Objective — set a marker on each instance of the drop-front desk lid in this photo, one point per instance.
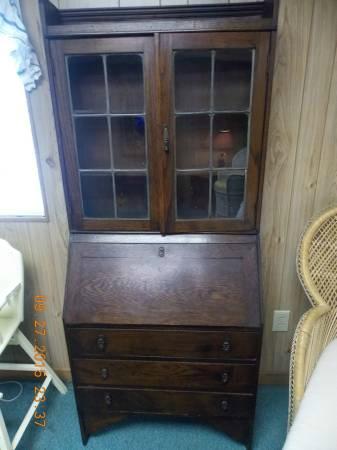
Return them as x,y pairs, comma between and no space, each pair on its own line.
194,280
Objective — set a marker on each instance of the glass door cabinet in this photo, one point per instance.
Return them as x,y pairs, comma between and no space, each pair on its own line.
162,135
215,113
162,116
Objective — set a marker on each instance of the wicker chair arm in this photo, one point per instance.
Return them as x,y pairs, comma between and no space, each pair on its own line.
303,356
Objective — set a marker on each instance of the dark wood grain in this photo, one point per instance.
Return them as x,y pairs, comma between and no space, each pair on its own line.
156,238
161,166
98,421
103,21
170,402
158,63
269,85
166,374
167,326
258,116
50,14
190,285
164,343
263,9
59,51
158,26
238,429
161,171
177,41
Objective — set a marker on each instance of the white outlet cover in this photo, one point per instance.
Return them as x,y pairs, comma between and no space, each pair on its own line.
281,320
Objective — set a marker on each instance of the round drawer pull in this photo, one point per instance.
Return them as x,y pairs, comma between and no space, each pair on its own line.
104,373
225,377
226,346
101,343
224,405
108,399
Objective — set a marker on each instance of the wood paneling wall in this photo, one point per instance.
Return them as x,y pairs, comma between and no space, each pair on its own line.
300,178
301,166
43,244
66,4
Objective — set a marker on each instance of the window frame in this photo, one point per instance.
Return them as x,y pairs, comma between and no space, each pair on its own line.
29,218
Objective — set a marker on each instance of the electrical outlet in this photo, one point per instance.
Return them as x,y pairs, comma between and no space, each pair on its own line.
280,320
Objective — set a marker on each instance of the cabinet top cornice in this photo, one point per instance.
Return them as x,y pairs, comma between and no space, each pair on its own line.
60,23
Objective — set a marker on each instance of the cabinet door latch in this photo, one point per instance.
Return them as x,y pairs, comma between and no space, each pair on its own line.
166,140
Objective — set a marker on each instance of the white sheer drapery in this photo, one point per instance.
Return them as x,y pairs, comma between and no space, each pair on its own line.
11,26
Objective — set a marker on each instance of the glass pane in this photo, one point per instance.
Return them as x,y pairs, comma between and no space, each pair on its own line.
97,194
192,141
92,138
232,79
230,134
192,195
125,75
228,189
86,76
131,191
193,81
128,142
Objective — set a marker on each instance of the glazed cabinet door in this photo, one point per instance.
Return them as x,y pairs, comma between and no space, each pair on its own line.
213,98
106,112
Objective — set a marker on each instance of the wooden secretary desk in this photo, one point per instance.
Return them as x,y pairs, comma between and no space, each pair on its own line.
162,118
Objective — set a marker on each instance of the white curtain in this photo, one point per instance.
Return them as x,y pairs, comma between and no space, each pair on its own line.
25,58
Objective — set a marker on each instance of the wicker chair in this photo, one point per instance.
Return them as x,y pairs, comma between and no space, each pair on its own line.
317,271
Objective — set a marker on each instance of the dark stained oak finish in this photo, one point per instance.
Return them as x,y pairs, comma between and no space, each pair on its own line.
157,50
164,325
165,343
173,42
156,238
166,374
160,324
60,50
177,403
239,429
103,21
190,285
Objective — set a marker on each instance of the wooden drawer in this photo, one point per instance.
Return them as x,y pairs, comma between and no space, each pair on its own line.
187,344
166,374
178,403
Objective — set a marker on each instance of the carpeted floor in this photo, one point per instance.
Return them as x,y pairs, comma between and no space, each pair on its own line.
62,430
